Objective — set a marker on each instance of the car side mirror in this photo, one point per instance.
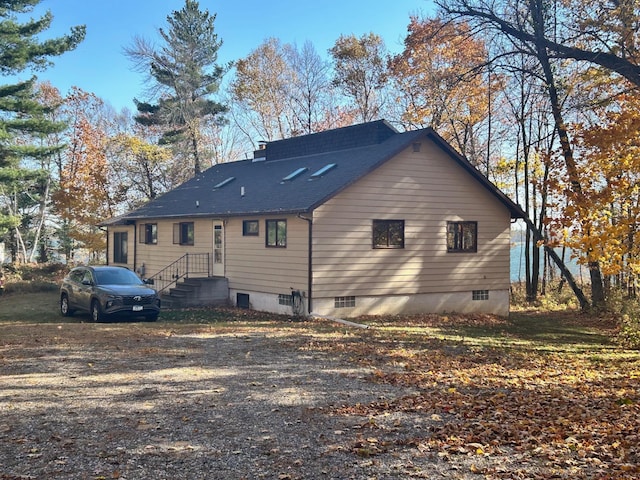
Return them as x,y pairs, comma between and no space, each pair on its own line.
87,282
148,281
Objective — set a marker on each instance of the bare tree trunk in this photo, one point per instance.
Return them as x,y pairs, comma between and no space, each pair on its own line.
537,234
37,238
537,14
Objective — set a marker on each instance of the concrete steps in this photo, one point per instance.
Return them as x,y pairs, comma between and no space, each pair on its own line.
197,292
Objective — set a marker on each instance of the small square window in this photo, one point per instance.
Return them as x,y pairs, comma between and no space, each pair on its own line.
250,228
462,237
388,234
344,302
480,295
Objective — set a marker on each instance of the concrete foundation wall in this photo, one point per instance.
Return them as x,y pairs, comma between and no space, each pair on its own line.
453,302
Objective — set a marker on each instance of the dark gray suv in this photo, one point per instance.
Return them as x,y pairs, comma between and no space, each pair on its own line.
108,293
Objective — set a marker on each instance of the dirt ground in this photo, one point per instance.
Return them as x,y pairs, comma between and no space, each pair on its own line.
162,401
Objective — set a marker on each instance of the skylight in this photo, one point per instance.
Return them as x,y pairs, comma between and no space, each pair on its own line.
323,170
294,174
224,182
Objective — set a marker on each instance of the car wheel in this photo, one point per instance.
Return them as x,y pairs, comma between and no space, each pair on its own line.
65,310
96,311
151,318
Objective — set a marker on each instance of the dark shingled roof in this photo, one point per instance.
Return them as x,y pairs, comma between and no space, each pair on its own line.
252,187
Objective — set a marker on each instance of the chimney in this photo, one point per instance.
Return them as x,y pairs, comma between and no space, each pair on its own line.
260,154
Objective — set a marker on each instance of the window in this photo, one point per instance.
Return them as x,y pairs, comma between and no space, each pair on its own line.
480,295
344,302
294,174
183,233
149,233
120,247
462,236
285,299
242,300
276,233
250,228
322,171
217,244
388,234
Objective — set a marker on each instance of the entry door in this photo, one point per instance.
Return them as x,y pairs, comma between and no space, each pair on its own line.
218,249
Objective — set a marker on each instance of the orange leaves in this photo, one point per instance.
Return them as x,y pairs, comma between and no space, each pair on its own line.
602,222
85,197
435,75
568,413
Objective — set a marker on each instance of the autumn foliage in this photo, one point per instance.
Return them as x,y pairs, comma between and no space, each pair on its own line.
84,198
513,404
602,223
439,80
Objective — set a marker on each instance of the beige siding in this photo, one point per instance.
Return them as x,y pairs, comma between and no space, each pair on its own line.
251,266
425,189
156,257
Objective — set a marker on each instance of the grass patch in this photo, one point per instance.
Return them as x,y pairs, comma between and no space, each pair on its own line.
32,307
43,307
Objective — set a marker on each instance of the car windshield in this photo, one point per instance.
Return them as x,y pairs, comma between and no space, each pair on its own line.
117,276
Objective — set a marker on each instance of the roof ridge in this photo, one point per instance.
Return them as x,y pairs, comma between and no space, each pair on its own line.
338,139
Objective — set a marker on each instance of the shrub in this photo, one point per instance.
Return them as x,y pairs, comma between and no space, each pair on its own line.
627,311
629,331
26,278
554,299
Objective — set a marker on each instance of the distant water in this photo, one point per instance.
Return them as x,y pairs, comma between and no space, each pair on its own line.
518,265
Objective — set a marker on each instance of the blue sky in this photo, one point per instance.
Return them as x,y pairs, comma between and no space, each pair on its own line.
99,66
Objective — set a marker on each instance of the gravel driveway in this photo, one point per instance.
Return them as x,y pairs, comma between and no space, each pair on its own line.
152,401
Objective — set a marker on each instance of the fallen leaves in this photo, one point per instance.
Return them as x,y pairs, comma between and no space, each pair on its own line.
569,412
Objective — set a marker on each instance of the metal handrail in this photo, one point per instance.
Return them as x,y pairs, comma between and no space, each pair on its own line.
188,264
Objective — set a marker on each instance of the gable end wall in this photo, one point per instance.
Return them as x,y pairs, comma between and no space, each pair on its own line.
425,189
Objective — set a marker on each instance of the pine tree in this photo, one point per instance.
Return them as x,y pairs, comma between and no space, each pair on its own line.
22,116
184,74
21,49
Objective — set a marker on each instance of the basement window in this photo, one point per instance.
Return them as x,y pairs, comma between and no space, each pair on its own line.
242,300
344,302
480,295
285,299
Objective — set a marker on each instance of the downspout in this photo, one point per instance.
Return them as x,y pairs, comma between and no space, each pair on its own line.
309,265
135,245
106,230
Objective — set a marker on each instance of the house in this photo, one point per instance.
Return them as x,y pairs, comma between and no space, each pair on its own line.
357,220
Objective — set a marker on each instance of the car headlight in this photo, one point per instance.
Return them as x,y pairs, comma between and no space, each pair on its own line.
112,300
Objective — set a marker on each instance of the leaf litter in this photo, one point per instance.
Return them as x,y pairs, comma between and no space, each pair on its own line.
412,397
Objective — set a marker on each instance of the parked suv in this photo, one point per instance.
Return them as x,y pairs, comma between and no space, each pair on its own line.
107,293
